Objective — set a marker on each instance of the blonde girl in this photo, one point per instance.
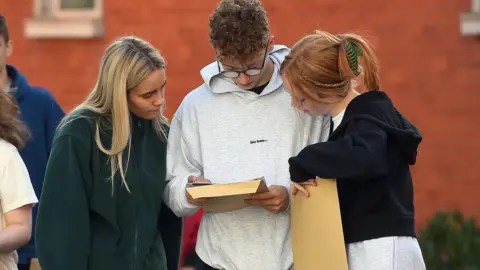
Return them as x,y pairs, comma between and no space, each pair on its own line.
101,206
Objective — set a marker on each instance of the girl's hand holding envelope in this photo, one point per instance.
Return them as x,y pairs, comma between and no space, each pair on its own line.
301,187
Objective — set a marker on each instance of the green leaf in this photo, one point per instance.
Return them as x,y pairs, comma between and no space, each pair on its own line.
451,241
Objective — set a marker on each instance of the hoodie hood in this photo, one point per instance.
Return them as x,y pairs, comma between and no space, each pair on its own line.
218,84
377,107
20,83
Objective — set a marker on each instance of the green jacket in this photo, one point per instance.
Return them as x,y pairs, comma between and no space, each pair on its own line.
83,224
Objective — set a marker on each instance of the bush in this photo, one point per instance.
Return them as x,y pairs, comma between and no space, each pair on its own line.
451,242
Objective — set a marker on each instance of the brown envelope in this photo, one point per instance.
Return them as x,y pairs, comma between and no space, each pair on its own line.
227,197
34,264
317,235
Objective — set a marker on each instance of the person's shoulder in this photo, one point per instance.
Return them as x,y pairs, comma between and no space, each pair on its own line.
41,94
9,154
196,97
80,123
7,149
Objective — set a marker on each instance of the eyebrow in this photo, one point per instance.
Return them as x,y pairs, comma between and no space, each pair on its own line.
248,66
161,87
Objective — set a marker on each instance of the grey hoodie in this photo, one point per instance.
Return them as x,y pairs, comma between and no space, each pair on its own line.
227,134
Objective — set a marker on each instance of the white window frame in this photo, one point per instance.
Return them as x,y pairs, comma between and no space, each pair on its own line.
476,6
49,21
58,12
470,21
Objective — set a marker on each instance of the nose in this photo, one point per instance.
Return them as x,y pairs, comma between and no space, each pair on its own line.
159,100
243,79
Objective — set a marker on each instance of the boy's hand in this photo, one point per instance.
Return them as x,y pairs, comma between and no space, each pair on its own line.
197,202
276,200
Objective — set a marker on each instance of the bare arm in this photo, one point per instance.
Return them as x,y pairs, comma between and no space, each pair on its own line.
18,229
17,198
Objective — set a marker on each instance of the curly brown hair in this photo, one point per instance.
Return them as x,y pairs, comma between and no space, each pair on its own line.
12,128
239,28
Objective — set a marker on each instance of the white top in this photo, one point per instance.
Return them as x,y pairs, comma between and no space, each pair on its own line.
337,119
227,135
16,190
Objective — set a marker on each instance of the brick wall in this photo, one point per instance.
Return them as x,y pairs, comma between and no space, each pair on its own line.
429,69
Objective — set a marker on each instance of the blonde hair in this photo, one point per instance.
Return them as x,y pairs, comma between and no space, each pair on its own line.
126,63
324,65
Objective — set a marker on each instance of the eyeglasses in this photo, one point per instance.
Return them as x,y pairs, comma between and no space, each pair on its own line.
232,74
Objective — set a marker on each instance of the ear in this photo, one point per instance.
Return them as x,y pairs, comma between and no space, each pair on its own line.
9,48
271,43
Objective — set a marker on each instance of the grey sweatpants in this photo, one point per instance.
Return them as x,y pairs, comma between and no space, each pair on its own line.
387,253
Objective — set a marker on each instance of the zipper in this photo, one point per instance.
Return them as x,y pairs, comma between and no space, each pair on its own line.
137,194
137,202
135,247
135,239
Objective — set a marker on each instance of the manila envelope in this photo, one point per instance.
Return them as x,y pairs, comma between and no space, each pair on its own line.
34,264
227,197
317,234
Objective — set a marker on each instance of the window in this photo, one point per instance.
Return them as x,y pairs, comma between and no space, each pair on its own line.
76,4
76,8
470,21
66,19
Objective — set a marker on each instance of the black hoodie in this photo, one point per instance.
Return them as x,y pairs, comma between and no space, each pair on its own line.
369,154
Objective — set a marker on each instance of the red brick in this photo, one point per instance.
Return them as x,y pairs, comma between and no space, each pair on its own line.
428,68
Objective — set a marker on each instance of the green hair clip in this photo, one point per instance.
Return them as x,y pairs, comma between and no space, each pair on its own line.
353,52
